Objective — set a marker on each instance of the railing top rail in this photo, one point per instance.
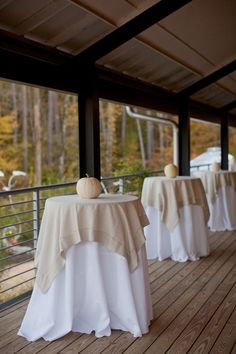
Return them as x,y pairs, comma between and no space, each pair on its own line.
131,175
37,188
67,184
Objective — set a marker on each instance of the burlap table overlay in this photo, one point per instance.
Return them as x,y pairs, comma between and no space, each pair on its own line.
169,195
213,181
116,221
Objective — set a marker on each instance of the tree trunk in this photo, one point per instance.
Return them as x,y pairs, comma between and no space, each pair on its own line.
37,136
25,127
150,145
161,135
50,126
109,137
141,144
123,129
14,106
63,138
55,114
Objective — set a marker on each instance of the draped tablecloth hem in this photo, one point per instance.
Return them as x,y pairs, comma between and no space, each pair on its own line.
170,195
175,220
44,278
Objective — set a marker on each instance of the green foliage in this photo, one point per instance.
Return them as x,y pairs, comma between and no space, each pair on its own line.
9,160
232,141
132,184
203,135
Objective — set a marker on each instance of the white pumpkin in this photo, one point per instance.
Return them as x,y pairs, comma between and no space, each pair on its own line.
171,170
88,187
215,166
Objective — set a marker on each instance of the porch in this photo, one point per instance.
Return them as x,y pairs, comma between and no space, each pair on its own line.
194,311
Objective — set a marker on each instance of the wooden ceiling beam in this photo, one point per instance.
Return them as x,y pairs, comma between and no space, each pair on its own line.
26,70
30,49
113,86
129,30
228,106
208,80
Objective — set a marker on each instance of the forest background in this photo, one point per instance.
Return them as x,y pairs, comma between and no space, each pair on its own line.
39,135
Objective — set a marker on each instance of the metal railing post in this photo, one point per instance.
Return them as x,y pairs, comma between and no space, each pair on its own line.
121,185
36,215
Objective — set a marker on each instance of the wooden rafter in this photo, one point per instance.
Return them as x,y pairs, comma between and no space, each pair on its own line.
208,80
228,106
129,30
30,49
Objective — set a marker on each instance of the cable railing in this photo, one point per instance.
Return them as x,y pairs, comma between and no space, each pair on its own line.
20,217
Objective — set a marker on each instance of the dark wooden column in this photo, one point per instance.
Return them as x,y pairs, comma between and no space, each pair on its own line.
224,139
89,137
184,138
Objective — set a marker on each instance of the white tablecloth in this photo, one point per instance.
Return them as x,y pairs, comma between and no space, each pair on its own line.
112,220
188,238
220,189
95,289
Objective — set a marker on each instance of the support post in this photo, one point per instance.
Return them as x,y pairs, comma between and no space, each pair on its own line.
184,138
89,136
224,140
36,216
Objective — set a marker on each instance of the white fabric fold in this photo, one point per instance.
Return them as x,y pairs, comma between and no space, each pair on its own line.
94,291
213,181
188,240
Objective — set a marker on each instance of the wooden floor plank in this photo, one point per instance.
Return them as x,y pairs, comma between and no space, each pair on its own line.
188,267
209,335
227,337
166,310
78,345
171,333
8,337
159,271
41,346
13,308
209,321
101,344
175,287
194,312
12,320
233,351
158,265
15,345
120,344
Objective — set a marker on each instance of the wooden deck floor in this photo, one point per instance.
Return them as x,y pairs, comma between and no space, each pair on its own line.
194,307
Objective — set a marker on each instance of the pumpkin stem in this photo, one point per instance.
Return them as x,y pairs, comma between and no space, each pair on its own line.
86,174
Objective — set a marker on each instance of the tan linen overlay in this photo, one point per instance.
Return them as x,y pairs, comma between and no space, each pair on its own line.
168,195
115,221
213,181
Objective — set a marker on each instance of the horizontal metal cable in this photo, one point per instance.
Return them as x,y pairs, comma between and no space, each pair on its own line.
16,275
16,255
16,203
17,244
16,214
17,234
17,223
15,265
15,286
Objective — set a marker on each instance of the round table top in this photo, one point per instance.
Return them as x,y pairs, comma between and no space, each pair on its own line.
101,199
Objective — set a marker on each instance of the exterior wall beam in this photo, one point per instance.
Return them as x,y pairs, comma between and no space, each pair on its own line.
184,138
